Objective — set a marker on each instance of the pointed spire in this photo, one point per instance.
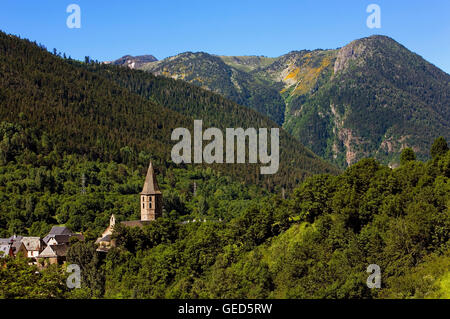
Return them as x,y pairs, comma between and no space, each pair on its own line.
150,185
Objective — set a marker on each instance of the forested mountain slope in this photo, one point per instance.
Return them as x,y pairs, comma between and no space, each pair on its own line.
376,99
210,72
85,109
371,98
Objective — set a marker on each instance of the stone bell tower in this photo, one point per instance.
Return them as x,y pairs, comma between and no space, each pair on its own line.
151,197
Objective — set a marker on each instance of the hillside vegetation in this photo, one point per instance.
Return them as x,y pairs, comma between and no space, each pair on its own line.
373,97
211,73
110,113
76,139
316,244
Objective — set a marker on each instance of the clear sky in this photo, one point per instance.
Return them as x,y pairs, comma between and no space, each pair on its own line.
111,29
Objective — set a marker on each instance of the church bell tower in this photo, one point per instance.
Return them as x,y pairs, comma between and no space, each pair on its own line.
151,197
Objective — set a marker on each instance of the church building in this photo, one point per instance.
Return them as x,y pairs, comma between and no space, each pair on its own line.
151,209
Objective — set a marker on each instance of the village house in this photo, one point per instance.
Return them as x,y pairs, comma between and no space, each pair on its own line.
49,250
32,245
15,242
54,254
52,249
57,244
151,209
6,250
57,231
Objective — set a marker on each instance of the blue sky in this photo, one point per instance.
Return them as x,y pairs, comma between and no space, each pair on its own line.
111,29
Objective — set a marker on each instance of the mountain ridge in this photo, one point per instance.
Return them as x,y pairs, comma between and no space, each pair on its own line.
327,101
133,62
118,114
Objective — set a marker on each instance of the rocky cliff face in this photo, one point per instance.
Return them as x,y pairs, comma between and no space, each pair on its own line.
134,62
378,99
351,52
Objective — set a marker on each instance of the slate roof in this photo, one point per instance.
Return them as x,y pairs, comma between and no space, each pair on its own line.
107,238
79,236
60,230
150,185
57,230
47,252
52,251
32,243
5,250
15,241
15,238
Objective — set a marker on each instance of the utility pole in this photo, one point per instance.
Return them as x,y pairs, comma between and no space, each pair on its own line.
83,184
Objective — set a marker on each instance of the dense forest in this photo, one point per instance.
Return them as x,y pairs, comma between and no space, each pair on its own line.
82,110
76,139
371,98
210,72
315,244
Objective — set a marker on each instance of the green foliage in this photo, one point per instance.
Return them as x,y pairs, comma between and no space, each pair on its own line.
51,106
20,280
315,244
210,72
382,97
334,227
74,149
407,155
439,147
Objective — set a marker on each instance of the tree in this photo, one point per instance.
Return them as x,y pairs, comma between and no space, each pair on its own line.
407,156
85,255
20,280
439,147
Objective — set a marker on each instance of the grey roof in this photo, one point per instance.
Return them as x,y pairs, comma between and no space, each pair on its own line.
61,250
57,230
150,185
32,243
4,250
15,241
52,251
62,239
60,230
107,238
15,238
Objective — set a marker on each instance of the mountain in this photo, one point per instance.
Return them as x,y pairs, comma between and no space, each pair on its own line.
133,62
76,139
212,73
111,113
371,98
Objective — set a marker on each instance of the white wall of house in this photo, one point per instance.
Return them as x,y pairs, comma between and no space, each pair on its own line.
33,253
